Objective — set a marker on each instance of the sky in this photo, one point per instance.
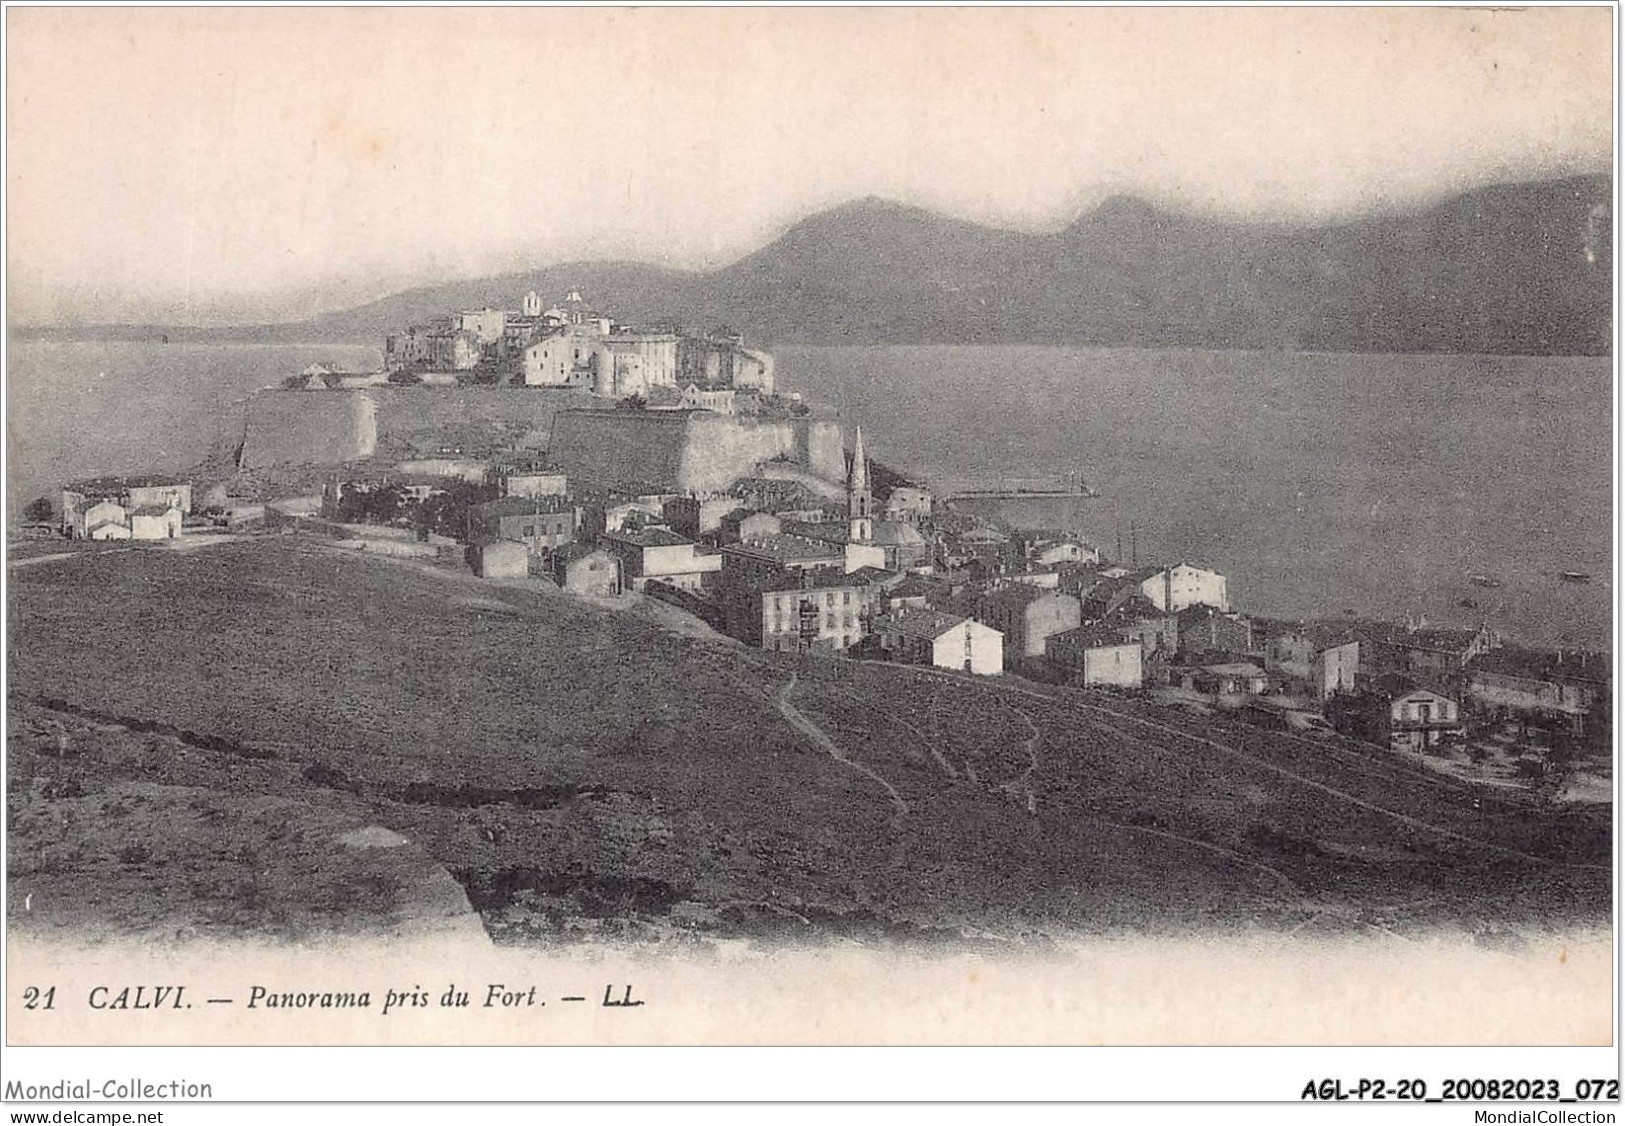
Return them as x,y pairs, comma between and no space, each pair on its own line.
210,166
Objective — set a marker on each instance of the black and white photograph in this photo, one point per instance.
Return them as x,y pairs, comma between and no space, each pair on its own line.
810,526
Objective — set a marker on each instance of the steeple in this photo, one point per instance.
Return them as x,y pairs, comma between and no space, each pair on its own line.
860,502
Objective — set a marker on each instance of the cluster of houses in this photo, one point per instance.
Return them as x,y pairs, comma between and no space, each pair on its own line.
572,345
791,569
126,508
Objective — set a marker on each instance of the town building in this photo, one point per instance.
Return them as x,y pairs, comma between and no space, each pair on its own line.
724,361
1026,616
1419,718
1553,687
695,516
1220,679
1174,588
409,349
659,554
102,520
541,523
1431,655
531,481
127,495
1204,629
948,641
903,547
753,561
804,610
583,569
1319,660
1064,549
718,401
549,359
1136,619
1098,657
155,522
501,559
741,524
909,504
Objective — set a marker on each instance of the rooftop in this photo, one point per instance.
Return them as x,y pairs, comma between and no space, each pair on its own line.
927,625
824,578
787,549
114,485
649,537
571,552
1536,664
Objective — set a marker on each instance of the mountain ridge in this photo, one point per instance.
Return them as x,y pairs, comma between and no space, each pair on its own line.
1506,268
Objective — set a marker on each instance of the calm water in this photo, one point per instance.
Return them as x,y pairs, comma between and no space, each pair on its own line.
1318,483
78,409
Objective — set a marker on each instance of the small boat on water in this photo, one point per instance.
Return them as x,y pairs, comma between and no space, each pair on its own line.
1575,576
1484,580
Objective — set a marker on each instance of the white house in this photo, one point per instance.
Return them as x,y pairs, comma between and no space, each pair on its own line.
155,522
1421,718
1184,585
931,637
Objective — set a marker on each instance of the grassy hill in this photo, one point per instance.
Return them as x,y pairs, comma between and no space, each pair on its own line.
585,773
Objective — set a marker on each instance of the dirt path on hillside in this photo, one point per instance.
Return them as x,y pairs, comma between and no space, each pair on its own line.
1022,783
811,730
1254,760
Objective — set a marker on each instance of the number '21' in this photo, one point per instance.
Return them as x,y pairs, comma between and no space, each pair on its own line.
34,999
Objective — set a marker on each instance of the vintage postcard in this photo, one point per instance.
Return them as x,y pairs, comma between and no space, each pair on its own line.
810,526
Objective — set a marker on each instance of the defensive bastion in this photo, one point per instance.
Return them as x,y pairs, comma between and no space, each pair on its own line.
688,451
586,436
330,427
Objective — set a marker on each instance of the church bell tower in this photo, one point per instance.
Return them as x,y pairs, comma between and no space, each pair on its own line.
860,502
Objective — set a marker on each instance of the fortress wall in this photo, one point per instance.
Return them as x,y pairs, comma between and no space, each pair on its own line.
687,451
721,449
327,427
404,410
621,446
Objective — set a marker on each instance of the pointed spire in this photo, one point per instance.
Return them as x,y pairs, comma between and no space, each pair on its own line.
857,479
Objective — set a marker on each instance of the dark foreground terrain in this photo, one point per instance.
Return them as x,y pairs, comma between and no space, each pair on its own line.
191,729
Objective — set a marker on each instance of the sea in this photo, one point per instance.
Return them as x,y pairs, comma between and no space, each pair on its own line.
1320,484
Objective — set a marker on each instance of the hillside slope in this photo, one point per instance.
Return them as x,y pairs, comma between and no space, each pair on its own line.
584,772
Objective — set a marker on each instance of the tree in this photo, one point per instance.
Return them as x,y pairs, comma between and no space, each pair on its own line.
39,511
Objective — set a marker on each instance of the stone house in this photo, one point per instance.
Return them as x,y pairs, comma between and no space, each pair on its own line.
541,523
948,641
1027,617
908,504
803,610
155,522
1318,660
1551,686
660,553
501,559
578,568
1098,656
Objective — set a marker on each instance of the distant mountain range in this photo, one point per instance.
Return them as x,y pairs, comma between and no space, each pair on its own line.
1514,268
